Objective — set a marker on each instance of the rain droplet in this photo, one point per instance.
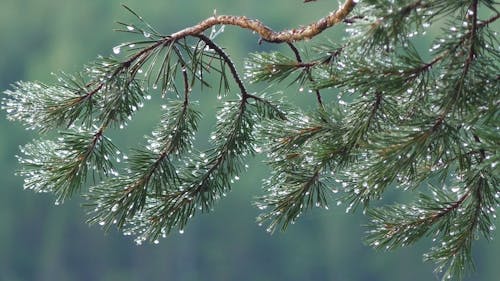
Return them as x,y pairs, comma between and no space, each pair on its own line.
146,34
129,27
116,50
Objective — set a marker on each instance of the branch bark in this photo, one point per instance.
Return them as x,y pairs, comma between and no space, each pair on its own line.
266,33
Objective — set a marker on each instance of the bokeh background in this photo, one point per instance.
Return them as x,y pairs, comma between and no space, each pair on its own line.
44,242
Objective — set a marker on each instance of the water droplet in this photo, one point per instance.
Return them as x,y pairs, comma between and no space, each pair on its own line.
181,231
116,50
146,34
129,27
156,241
102,223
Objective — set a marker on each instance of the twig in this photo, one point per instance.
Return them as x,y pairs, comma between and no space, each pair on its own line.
307,68
227,60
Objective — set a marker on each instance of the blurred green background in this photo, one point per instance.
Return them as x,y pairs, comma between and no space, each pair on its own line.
41,241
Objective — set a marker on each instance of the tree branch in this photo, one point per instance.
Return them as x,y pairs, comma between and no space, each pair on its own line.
227,60
266,33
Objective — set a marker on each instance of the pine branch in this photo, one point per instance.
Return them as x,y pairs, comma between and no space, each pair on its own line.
399,121
228,62
61,167
299,179
152,171
52,106
267,34
207,178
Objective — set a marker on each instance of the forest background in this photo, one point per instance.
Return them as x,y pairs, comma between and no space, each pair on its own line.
42,241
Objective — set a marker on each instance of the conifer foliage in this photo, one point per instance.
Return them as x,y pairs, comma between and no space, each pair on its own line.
423,121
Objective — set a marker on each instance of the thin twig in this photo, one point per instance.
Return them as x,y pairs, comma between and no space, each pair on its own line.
227,60
307,69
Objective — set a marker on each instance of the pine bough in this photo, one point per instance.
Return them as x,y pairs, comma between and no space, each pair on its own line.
400,121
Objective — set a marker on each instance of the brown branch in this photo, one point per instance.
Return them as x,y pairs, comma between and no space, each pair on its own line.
488,21
430,219
266,33
228,61
296,53
472,37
